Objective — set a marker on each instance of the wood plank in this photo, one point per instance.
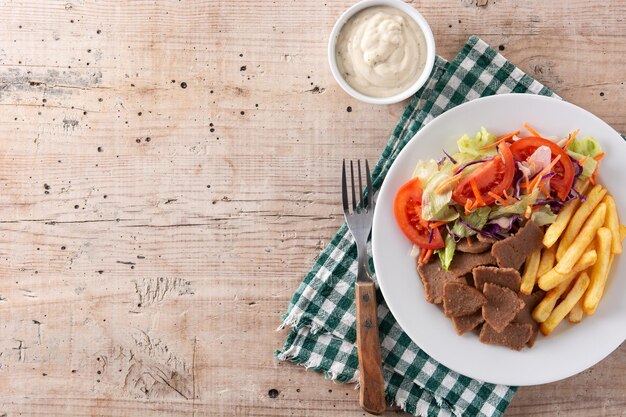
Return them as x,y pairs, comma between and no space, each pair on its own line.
152,235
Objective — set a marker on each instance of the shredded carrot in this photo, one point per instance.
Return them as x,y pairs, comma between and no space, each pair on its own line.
443,187
552,164
583,160
420,260
599,156
468,206
571,138
536,208
479,199
594,176
509,135
499,140
498,198
542,187
509,198
435,225
429,253
543,172
534,182
531,130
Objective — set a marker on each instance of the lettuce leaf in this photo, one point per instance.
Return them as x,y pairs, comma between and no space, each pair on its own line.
472,145
589,166
477,219
515,208
425,169
447,252
543,216
435,206
586,146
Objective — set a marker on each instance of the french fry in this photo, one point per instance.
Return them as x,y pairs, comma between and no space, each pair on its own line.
530,272
576,315
577,221
546,263
583,238
546,305
622,231
599,272
565,306
612,223
552,278
555,230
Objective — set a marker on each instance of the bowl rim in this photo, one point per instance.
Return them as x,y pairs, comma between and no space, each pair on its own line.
412,13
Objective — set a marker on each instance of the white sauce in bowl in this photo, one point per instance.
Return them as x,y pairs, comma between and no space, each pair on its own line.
381,51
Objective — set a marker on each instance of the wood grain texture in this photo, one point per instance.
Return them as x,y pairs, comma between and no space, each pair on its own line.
371,382
169,171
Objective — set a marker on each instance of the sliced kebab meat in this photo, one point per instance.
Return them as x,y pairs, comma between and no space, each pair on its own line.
459,299
502,306
513,251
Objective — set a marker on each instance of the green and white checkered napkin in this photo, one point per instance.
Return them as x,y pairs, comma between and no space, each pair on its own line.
322,312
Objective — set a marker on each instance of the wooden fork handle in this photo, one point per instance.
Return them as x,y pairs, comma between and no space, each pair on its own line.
372,384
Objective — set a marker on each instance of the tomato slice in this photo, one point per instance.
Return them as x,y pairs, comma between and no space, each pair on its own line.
495,175
562,181
407,208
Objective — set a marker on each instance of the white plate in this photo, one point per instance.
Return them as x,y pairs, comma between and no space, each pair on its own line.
570,348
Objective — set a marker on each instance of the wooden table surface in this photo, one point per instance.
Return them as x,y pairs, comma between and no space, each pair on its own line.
169,171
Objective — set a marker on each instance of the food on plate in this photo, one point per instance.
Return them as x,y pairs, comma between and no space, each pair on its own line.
530,272
548,255
504,277
576,314
408,212
524,316
552,278
472,245
554,231
593,199
546,305
434,276
501,307
612,223
513,251
566,305
562,180
464,324
512,233
381,51
578,246
459,299
599,272
488,180
514,336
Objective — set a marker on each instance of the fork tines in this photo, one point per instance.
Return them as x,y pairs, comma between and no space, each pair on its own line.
366,201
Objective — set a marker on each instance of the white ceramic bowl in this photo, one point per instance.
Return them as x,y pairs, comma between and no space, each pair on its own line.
413,14
571,348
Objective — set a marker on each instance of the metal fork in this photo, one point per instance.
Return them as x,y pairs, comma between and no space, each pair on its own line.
359,220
